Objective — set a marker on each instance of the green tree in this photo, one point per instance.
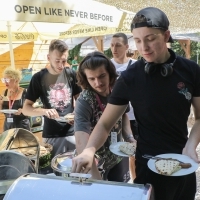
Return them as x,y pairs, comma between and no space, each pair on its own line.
108,53
194,50
74,52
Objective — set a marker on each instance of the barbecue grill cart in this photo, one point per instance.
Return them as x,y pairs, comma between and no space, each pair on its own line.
22,141
75,187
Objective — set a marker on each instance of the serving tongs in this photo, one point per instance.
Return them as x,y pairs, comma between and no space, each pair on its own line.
182,164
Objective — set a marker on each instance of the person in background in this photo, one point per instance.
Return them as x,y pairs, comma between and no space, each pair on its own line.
13,99
161,87
97,75
75,63
119,47
56,86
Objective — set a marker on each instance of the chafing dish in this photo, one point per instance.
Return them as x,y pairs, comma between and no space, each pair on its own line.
62,163
12,166
36,186
22,141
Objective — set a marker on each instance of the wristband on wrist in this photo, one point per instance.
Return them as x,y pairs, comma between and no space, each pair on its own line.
129,136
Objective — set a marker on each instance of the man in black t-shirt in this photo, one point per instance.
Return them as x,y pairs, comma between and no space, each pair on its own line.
56,87
161,87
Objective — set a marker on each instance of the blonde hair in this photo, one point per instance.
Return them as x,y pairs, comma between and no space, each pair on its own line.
13,73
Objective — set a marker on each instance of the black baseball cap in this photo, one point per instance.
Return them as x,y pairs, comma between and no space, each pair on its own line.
155,18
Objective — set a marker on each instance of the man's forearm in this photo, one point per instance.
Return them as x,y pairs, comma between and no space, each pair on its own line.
194,135
31,111
81,141
126,127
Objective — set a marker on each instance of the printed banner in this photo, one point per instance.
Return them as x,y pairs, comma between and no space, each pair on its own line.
61,11
49,19
19,36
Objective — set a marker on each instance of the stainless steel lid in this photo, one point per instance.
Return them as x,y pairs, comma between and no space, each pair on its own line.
37,186
12,166
22,141
63,162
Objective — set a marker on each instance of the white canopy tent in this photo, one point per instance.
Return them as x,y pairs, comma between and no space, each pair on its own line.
31,26
27,20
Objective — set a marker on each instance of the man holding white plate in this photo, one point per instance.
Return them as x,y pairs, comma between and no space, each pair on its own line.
161,88
56,86
12,100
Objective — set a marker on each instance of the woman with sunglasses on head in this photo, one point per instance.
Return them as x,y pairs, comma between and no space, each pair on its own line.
13,98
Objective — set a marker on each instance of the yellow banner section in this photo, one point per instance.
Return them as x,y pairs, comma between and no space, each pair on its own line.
89,31
19,36
35,32
86,30
72,33
61,11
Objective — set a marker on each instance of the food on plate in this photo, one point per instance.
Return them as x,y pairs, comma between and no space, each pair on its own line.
69,116
168,166
128,148
185,165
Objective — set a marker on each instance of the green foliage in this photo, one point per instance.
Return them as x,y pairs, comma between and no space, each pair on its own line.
176,47
74,52
108,53
194,50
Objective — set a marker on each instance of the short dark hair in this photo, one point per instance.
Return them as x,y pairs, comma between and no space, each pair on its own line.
59,45
151,17
139,19
122,35
92,61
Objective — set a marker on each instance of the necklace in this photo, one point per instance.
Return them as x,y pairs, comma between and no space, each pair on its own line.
14,93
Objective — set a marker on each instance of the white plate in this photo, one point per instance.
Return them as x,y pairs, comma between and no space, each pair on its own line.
180,157
8,111
61,119
114,148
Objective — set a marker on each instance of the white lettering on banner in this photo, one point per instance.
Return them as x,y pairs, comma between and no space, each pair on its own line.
31,9
74,13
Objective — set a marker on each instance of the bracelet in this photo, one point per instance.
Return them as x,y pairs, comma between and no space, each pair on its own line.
128,137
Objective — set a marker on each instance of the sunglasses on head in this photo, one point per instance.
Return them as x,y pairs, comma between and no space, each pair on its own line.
5,80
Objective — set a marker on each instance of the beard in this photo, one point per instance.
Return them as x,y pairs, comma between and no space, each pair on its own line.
55,70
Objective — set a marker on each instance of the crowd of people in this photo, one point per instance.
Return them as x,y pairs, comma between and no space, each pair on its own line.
146,101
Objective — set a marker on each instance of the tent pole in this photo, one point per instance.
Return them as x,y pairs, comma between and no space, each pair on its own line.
98,42
10,45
